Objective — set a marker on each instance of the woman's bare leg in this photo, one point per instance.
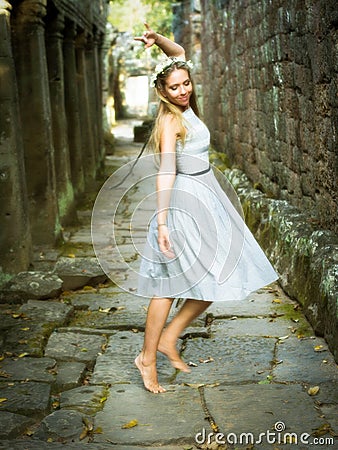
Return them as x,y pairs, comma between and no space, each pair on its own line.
157,315
167,345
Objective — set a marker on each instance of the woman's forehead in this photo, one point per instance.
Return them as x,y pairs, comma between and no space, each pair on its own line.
177,76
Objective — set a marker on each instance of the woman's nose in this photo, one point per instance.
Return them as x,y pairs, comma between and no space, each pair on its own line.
183,90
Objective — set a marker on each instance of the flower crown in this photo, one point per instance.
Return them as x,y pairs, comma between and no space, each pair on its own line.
162,66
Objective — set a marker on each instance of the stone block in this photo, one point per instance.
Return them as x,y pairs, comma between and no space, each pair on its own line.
69,375
257,408
13,425
154,414
29,369
116,365
29,399
84,399
78,272
31,285
54,312
62,426
78,347
310,368
234,359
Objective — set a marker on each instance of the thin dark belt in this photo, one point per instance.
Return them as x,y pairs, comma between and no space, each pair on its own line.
195,173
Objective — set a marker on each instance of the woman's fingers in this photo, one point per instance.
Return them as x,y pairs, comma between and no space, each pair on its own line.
165,247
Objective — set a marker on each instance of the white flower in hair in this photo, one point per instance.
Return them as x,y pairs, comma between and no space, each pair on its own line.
165,65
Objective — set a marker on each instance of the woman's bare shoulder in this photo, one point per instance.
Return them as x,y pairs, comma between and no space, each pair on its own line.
170,121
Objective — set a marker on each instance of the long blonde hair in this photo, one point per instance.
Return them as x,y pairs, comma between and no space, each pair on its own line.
165,107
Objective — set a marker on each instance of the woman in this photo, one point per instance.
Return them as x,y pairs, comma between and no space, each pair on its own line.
198,246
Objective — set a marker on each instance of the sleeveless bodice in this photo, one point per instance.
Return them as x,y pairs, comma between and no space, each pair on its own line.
193,156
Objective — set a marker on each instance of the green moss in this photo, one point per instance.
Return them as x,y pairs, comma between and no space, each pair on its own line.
71,248
66,199
296,316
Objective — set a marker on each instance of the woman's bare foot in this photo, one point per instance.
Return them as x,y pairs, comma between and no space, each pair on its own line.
170,351
149,375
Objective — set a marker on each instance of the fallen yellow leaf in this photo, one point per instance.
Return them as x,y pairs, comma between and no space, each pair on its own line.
313,390
89,288
71,255
2,400
83,434
22,355
319,348
24,329
131,424
276,300
103,399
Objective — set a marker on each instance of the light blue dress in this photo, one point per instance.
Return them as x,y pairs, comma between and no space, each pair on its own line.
216,256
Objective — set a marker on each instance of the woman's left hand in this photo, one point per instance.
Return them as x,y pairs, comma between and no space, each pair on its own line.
149,37
164,242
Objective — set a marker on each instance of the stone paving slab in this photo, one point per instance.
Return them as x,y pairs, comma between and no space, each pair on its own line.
29,369
69,375
28,338
12,425
251,327
258,303
31,398
257,408
74,347
78,272
118,310
38,445
301,363
26,444
55,312
235,359
84,399
155,414
31,285
61,425
116,365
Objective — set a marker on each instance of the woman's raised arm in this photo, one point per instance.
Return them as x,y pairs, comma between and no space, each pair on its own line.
170,48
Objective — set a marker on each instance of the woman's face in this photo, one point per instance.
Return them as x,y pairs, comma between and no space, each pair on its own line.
178,88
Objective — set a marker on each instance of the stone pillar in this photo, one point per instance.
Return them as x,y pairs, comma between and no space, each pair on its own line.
15,238
64,187
92,75
72,107
87,142
98,57
31,69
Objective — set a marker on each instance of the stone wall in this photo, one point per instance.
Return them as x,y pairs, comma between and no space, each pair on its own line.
269,76
51,142
270,96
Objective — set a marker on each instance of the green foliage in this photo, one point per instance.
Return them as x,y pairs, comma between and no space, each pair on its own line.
130,15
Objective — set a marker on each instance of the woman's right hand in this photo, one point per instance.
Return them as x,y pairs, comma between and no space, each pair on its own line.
149,37
164,242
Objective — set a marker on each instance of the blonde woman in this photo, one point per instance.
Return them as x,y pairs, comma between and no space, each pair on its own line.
198,246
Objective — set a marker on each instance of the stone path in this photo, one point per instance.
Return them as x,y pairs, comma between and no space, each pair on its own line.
67,378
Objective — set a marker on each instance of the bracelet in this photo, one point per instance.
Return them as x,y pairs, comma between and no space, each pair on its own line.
161,225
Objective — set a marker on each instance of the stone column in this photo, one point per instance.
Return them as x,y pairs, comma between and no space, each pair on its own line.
98,60
72,107
87,142
65,192
31,65
15,238
91,68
